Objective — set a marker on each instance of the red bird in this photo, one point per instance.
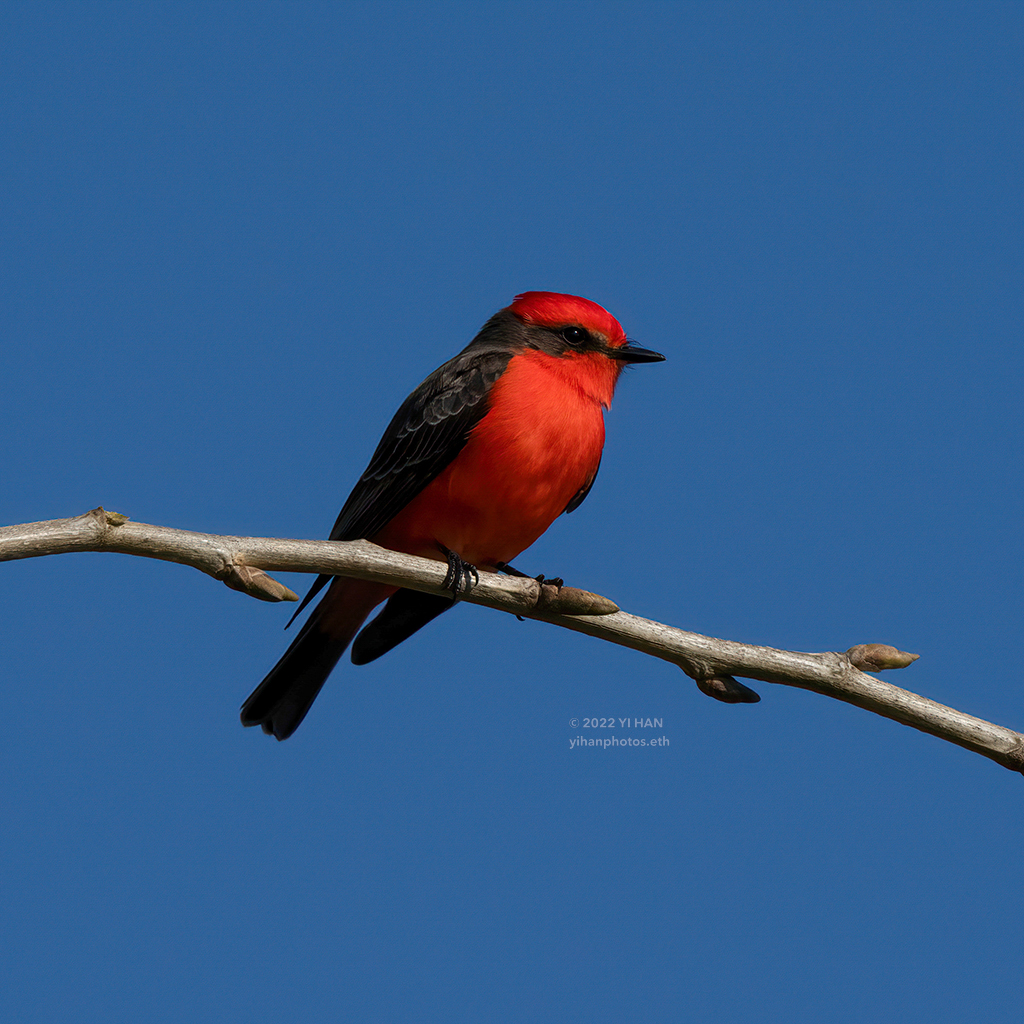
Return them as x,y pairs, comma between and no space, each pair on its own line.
477,463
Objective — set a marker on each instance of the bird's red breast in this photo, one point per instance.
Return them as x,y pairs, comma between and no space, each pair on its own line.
538,445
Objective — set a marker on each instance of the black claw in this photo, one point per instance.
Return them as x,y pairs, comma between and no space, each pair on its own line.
461,577
556,581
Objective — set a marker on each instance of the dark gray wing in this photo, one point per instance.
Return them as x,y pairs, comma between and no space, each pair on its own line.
426,433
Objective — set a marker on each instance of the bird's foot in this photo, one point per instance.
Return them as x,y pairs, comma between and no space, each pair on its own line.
461,578
554,581
511,570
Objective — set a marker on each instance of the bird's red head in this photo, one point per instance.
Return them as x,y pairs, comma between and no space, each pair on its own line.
552,309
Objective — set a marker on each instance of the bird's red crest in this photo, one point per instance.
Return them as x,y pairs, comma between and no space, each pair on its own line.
553,309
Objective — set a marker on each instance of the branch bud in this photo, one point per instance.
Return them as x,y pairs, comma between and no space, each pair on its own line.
726,689
256,583
878,657
570,601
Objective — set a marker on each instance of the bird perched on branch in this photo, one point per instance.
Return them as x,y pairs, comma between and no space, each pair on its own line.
476,464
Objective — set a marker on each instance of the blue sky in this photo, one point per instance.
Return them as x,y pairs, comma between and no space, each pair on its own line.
236,236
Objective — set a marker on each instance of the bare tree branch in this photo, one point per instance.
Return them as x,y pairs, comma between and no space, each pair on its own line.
240,563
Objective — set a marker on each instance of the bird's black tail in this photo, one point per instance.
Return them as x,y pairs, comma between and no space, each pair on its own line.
280,702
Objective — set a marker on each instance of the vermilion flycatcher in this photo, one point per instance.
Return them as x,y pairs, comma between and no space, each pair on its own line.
477,463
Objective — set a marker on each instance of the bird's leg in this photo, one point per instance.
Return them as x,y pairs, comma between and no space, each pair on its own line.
462,577
554,581
511,570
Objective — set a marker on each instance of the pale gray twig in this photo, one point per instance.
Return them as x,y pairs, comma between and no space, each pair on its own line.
242,563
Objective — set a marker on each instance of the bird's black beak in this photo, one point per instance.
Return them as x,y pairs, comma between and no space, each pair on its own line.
630,353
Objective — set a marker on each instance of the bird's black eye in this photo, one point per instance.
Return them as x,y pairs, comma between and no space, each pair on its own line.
575,335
